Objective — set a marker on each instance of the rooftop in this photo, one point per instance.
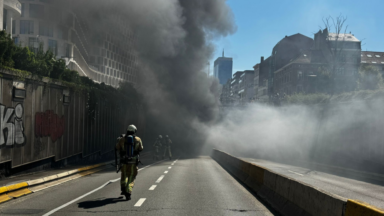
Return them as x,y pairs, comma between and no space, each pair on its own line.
342,37
303,58
372,57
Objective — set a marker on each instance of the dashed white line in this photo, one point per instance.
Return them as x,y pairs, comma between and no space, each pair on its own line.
159,179
169,167
81,197
166,172
295,173
140,202
152,187
172,164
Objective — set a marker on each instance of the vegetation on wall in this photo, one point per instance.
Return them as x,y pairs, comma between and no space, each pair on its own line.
23,63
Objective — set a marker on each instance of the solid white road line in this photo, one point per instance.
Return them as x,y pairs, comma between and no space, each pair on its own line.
140,202
295,173
159,179
166,172
169,167
102,186
152,187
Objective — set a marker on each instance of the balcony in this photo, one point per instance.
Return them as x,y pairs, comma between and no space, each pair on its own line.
13,6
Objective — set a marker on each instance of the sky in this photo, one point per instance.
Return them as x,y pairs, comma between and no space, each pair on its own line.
261,24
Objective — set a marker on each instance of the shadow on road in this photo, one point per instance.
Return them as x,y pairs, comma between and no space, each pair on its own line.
100,203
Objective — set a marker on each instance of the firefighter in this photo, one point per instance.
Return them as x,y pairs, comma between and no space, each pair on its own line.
157,145
129,148
167,147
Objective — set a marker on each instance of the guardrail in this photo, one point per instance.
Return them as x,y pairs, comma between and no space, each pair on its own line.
291,197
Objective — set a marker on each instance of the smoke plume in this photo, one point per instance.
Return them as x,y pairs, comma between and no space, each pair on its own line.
173,45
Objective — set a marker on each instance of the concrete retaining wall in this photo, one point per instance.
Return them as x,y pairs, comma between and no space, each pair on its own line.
288,196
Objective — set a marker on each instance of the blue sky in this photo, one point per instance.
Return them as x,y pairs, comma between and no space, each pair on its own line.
261,24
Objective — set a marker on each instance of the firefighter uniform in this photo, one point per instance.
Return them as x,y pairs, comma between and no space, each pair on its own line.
167,149
157,146
129,170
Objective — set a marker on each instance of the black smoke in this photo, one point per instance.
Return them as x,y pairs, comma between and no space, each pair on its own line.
173,43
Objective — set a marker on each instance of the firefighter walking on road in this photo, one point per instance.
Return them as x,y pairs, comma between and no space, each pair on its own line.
167,147
129,148
157,145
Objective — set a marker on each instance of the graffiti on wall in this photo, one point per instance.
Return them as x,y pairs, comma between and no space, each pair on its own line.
49,124
11,123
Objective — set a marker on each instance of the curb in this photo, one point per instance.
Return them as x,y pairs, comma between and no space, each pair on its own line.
20,189
289,196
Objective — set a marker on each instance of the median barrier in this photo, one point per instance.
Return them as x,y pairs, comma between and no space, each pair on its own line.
289,196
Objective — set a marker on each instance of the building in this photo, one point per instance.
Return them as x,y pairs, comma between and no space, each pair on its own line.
223,69
340,55
260,88
9,11
285,51
246,90
102,56
225,97
264,69
298,76
375,59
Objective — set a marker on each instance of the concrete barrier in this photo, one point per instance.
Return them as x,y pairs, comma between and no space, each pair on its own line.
358,208
289,196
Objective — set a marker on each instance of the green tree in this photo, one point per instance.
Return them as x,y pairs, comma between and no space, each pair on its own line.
370,78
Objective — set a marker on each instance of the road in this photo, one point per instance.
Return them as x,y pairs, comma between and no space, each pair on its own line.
336,184
187,186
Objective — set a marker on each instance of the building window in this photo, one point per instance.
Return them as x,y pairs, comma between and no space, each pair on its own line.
36,11
52,46
26,27
45,29
62,33
5,18
22,9
16,40
34,44
299,75
13,26
67,50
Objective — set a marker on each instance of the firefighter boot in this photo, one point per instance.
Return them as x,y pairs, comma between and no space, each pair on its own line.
127,196
122,190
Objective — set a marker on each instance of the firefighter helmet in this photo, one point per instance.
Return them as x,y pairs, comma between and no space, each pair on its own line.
132,128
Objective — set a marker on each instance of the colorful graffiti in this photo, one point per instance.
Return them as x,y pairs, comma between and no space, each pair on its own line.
11,124
49,124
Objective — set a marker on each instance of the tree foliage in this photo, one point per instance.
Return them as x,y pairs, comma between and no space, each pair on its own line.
41,63
45,64
370,78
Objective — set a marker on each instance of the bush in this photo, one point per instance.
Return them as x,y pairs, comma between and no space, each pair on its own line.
43,64
306,98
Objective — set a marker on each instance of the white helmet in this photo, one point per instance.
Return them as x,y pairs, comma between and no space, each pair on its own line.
160,136
166,136
132,128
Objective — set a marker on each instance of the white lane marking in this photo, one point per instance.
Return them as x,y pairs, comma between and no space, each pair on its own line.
169,167
102,186
166,172
140,202
172,164
159,179
152,187
295,173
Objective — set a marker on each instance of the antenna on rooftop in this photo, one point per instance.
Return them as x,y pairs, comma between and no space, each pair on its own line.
223,52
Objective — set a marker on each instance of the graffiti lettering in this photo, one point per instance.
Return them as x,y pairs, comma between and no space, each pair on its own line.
11,132
49,124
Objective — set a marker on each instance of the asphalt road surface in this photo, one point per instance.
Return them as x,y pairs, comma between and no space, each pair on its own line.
187,186
345,187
